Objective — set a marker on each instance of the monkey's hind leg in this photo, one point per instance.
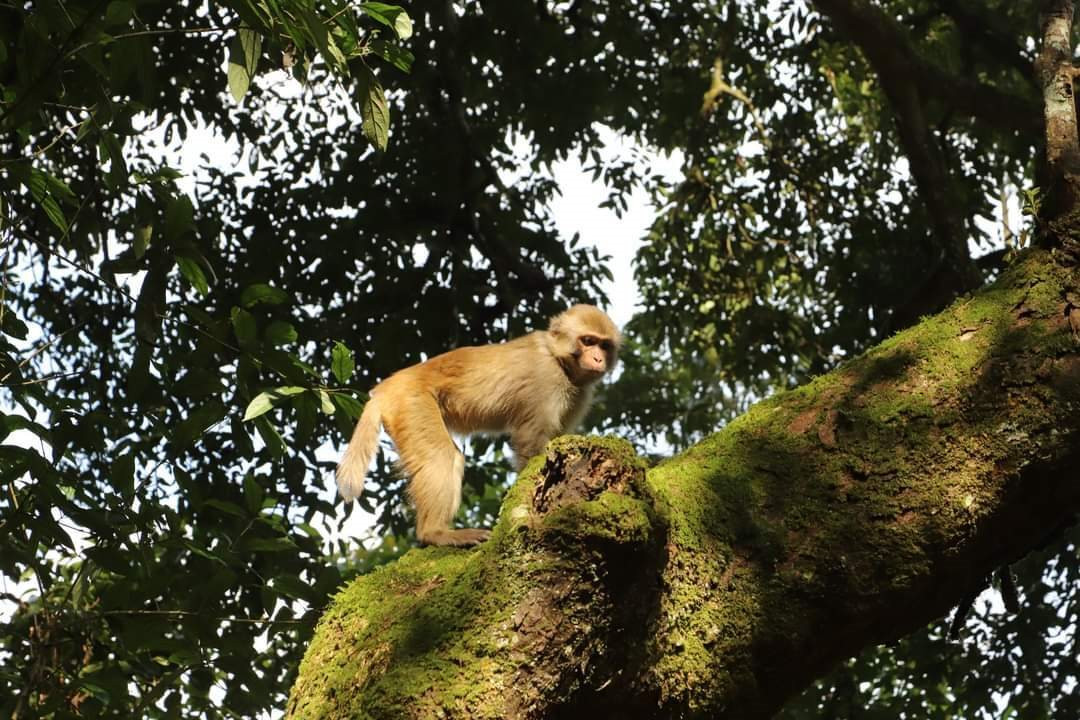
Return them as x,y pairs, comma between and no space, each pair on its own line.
435,467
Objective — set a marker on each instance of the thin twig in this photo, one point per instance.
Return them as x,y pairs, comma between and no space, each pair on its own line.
190,613
40,348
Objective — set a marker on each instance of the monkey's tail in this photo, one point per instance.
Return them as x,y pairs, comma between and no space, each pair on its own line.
365,439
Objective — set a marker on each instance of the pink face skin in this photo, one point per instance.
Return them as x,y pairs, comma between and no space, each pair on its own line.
595,354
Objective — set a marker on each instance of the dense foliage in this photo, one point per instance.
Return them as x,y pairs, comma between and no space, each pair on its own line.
176,351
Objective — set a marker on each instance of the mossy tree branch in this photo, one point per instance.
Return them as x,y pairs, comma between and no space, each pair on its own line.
719,583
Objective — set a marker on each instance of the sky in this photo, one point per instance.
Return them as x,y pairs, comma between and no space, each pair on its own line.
578,210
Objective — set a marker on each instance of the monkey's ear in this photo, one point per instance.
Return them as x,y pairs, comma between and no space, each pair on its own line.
557,326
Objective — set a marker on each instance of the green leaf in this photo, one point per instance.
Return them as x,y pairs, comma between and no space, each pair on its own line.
327,405
179,218
226,507
193,274
11,324
118,171
119,12
244,326
192,427
348,404
280,332
342,363
393,16
274,444
392,53
253,494
59,189
244,53
37,184
143,235
293,587
266,400
316,30
261,403
123,475
375,113
96,691
306,415
340,63
262,293
53,211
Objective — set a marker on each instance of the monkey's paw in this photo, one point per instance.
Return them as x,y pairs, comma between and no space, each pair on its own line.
464,537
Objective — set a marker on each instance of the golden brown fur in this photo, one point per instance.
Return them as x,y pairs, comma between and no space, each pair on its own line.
534,387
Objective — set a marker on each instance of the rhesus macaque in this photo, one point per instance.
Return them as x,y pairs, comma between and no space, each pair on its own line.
534,387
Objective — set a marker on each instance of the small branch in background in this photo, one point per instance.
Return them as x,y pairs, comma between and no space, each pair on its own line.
962,610
1006,232
1010,597
1056,76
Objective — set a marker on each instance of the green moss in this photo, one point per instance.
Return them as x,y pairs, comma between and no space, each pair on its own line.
613,517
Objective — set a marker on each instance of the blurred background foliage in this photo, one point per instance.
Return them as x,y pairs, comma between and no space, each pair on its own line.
179,358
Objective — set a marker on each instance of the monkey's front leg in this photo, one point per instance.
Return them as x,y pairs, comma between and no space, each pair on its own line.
528,441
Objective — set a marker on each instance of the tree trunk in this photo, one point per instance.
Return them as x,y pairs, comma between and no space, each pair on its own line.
722,581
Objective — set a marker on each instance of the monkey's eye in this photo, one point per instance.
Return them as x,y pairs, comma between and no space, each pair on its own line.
589,340
607,346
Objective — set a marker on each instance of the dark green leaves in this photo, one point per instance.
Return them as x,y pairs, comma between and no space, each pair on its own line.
338,37
392,53
179,219
262,293
191,271
281,333
50,192
342,363
192,427
244,328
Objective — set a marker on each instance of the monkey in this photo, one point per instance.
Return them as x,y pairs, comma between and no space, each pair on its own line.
533,387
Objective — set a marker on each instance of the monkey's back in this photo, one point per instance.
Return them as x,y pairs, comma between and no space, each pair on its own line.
486,388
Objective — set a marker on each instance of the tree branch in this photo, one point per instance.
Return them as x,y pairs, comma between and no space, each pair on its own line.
890,51
1056,77
722,581
908,80
995,37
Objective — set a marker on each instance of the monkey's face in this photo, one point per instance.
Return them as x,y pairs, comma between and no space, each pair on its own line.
585,342
595,356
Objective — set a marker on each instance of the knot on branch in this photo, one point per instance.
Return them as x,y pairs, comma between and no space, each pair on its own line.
593,489
596,548
582,472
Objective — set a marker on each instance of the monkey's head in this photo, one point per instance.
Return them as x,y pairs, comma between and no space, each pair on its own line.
585,342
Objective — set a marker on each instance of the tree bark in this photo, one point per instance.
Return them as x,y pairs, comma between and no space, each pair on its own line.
722,581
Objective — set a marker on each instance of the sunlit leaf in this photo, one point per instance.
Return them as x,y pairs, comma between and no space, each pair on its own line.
392,53
243,60
326,404
393,16
375,113
264,401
